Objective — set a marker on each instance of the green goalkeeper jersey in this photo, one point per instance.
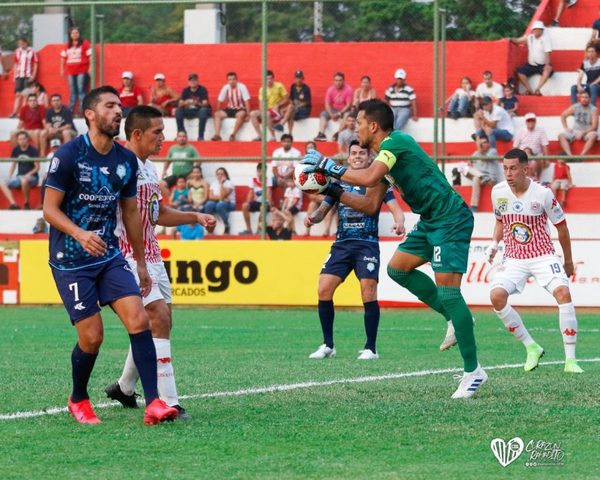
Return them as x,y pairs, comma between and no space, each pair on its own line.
418,179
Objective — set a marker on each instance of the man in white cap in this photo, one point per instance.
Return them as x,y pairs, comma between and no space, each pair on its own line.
534,141
402,99
539,48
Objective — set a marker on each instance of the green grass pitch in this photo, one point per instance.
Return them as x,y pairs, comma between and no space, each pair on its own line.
391,428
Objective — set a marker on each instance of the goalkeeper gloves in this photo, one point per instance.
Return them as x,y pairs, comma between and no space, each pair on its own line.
316,162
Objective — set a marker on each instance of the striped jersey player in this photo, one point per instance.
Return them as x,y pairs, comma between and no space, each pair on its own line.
523,209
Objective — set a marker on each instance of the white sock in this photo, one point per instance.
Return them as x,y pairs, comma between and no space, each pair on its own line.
130,375
568,328
513,323
166,375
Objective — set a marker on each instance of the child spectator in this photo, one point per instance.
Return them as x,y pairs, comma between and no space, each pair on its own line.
561,181
179,195
292,203
198,190
193,231
460,101
509,101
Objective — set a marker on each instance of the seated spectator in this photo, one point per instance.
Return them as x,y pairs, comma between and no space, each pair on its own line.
27,172
179,195
38,90
163,98
233,102
595,29
253,201
559,10
561,181
277,97
461,100
129,94
198,190
193,231
284,161
539,48
59,121
280,228
584,127
181,151
221,197
32,119
25,68
363,93
193,103
494,122
534,141
338,100
509,101
300,105
488,88
347,134
591,69
482,171
402,99
292,203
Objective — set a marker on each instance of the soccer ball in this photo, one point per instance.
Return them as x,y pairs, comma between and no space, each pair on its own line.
310,182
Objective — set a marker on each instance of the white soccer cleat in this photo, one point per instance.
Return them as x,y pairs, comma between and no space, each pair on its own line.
450,338
323,352
470,383
367,354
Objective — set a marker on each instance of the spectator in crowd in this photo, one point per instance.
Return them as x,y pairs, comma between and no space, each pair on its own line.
482,171
300,103
539,48
488,88
284,161
233,102
162,97
338,100
130,94
561,181
38,89
27,171
59,121
534,141
198,189
75,62
280,228
559,10
461,100
193,103
494,122
585,126
221,197
509,101
25,68
363,93
179,196
193,231
402,99
292,203
177,156
596,29
347,134
591,69
253,201
277,97
32,119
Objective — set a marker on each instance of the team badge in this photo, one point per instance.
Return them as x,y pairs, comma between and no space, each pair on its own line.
54,165
370,266
153,209
502,205
517,206
536,207
121,171
521,233
85,172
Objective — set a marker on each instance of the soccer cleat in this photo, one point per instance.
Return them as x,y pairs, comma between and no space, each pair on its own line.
572,367
367,354
114,391
181,413
323,352
470,383
450,338
159,411
534,353
82,411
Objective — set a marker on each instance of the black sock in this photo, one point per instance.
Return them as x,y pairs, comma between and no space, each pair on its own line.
371,324
326,314
144,357
82,365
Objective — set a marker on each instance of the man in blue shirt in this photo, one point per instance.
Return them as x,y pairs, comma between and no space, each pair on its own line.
87,180
193,104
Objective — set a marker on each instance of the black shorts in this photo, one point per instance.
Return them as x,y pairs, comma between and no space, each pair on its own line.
301,113
357,255
530,70
21,84
232,112
294,210
254,206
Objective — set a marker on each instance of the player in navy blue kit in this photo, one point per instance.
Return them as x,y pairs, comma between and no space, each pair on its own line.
88,178
356,248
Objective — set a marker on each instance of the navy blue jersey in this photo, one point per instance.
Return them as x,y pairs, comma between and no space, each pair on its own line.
93,184
355,225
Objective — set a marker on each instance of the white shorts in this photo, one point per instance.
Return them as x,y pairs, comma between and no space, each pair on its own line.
513,274
161,287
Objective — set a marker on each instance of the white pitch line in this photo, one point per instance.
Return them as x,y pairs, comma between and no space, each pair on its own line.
289,387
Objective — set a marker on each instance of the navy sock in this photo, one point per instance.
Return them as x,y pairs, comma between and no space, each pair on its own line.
326,314
371,324
82,364
144,357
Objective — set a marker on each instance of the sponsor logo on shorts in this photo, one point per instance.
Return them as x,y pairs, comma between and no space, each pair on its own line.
370,259
521,233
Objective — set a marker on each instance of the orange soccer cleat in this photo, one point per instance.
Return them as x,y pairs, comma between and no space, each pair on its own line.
82,411
159,411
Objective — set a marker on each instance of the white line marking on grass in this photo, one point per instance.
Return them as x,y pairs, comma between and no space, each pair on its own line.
289,387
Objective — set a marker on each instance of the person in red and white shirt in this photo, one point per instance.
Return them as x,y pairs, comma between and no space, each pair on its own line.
25,71
233,102
32,119
75,62
144,132
534,141
522,209
253,201
129,94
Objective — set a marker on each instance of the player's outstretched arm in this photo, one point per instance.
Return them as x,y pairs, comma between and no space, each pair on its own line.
564,238
133,226
369,203
170,217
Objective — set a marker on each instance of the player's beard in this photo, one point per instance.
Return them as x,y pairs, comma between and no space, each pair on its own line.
110,128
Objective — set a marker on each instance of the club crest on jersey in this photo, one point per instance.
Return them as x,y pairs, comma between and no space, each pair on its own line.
517,207
153,209
85,172
502,205
536,207
121,171
54,165
521,233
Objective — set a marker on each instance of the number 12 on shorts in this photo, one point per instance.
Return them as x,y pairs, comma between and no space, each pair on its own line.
437,254
73,287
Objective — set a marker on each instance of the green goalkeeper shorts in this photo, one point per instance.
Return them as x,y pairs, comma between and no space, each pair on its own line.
444,243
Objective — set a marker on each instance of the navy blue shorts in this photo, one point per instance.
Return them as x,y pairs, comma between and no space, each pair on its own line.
529,70
357,255
301,113
83,291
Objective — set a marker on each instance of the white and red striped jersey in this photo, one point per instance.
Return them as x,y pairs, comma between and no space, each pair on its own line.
525,219
25,59
234,98
148,199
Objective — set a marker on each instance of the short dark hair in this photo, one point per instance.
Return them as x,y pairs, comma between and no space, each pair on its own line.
31,95
518,154
22,132
339,74
140,118
487,72
287,136
23,39
259,166
365,77
93,98
54,95
270,73
353,143
231,74
379,112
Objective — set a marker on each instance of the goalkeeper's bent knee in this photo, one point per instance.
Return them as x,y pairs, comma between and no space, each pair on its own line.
398,276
